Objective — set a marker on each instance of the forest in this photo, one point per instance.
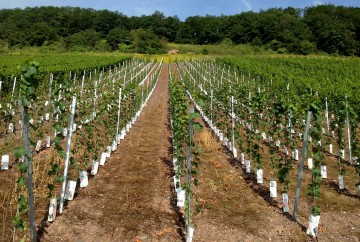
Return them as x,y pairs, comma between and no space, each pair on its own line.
317,29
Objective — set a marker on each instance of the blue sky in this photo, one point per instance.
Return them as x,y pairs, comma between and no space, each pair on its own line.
181,8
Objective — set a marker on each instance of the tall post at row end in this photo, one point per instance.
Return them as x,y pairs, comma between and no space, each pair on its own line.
29,175
232,126
301,165
67,158
188,168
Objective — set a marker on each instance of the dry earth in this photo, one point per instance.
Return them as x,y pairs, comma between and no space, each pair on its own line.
132,198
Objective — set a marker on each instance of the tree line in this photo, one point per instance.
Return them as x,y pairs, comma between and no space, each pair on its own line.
323,28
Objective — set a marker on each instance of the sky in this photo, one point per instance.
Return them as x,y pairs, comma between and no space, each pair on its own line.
180,8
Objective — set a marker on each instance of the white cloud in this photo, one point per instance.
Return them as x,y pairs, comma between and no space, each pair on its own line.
247,5
318,2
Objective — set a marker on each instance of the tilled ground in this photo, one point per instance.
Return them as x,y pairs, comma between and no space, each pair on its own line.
132,197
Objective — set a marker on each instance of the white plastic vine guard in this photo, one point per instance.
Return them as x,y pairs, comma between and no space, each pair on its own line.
180,197
285,200
235,154
263,135
190,234
70,190
176,182
5,162
122,134
64,132
221,136
229,146
52,210
84,180
286,151
247,165
259,176
273,189
342,153
323,171
103,158
94,168
330,148
108,151
48,142
114,146
47,116
242,158
11,128
312,228
296,154
38,145
127,128
118,138
310,163
341,182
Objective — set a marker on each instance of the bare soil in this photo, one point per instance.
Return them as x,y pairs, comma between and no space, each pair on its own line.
132,197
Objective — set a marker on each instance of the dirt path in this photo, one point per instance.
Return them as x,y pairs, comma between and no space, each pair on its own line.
231,209
130,198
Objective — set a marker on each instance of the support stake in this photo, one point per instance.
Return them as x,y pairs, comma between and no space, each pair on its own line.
301,165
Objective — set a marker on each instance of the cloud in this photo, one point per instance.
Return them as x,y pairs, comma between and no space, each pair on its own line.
247,5
318,2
